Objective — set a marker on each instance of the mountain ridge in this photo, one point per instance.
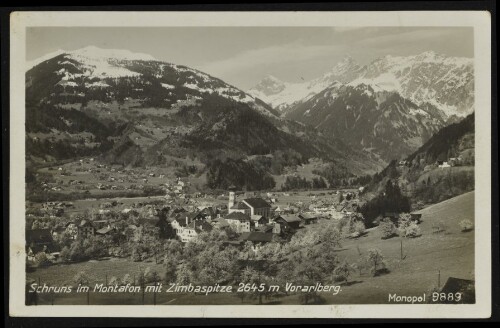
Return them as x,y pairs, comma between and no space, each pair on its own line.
446,82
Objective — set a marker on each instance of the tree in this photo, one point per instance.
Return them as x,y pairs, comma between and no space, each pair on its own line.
77,252
113,281
342,272
127,279
404,222
413,230
65,254
183,274
359,227
170,270
375,260
387,228
81,278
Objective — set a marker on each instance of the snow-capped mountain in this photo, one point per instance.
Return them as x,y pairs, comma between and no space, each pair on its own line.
280,95
97,68
134,109
445,82
376,121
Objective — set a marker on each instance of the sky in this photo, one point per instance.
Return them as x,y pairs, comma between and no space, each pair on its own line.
242,56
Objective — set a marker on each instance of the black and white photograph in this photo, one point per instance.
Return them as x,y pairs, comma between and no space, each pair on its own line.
251,165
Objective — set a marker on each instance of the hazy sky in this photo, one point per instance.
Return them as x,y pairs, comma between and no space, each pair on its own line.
244,55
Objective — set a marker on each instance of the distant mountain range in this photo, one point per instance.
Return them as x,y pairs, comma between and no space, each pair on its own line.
133,109
380,122
445,82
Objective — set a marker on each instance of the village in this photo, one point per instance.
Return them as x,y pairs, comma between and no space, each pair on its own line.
250,216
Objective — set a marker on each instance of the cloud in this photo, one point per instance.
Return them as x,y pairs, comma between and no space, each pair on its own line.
268,56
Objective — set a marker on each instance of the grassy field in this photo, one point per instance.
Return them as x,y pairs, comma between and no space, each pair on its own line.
426,259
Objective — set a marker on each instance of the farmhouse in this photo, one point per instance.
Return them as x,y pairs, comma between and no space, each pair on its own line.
444,165
308,218
287,222
258,239
258,220
241,222
192,230
80,228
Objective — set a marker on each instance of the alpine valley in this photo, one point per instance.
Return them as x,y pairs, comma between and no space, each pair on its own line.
389,107
133,110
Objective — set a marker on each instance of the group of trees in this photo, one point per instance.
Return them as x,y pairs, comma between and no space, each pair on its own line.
336,174
390,200
239,174
406,227
297,183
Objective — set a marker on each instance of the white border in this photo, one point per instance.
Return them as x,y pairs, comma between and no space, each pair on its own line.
479,20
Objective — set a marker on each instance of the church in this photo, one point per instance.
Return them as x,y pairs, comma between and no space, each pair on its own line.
249,206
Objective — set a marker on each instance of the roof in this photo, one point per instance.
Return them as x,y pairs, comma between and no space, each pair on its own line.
84,223
465,286
237,216
308,216
391,215
256,217
181,217
38,236
104,230
200,226
290,218
256,236
222,222
240,206
264,228
256,202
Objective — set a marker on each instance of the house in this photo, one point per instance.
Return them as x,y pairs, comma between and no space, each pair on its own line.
220,223
287,222
444,164
402,163
416,217
80,228
308,218
85,228
250,206
192,230
268,228
209,213
240,222
258,220
257,238
465,287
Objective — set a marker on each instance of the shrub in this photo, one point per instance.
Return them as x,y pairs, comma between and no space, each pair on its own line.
359,227
387,228
41,260
413,230
466,225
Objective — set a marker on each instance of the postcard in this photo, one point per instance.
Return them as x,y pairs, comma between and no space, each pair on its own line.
250,164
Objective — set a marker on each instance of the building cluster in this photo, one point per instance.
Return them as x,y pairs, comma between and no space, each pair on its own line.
251,218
